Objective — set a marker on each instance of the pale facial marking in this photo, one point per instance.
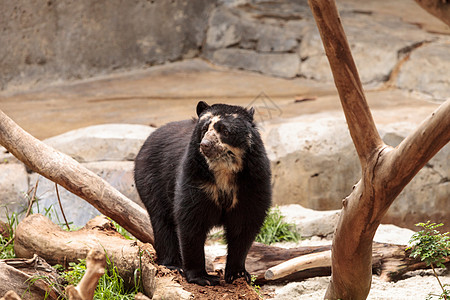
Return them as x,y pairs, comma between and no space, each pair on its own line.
224,167
206,116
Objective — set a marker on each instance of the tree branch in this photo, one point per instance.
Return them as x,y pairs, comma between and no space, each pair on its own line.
359,118
418,148
438,8
68,173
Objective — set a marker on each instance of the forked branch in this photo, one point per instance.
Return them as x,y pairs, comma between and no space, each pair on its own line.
385,171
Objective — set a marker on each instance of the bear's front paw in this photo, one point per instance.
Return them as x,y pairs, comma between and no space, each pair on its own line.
232,276
201,279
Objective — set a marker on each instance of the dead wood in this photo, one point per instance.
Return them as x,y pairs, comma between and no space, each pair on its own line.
389,261
385,171
299,263
11,295
95,268
68,173
30,278
37,234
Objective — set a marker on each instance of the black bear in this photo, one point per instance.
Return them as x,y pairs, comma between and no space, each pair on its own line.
195,174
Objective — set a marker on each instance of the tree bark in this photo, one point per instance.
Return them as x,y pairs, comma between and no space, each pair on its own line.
16,275
438,8
36,234
68,173
95,268
385,170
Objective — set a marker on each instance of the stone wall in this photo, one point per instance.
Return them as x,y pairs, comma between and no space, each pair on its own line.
59,40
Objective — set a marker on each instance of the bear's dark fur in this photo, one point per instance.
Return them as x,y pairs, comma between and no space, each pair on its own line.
196,174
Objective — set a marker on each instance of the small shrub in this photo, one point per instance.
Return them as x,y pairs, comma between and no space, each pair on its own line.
432,247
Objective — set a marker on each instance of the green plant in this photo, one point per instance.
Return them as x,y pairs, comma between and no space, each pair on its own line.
256,287
110,285
432,247
122,230
7,240
275,229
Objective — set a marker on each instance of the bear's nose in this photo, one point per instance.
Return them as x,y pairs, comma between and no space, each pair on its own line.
205,145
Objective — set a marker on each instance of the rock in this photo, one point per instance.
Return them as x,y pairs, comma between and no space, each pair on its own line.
120,174
375,54
282,65
77,210
111,142
13,187
426,196
391,234
427,71
314,162
276,40
55,40
224,29
311,222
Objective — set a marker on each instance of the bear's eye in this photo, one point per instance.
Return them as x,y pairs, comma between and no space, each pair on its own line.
205,127
224,132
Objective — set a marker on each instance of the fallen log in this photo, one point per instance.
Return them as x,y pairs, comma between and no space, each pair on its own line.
30,278
388,260
36,234
75,178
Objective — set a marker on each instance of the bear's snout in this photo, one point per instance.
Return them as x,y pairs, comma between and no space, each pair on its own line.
206,147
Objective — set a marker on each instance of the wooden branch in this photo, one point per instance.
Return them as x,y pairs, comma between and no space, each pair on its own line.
315,260
37,234
418,148
68,173
359,118
385,171
95,268
438,8
10,295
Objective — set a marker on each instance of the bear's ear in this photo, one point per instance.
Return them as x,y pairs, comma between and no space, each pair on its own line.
251,112
201,107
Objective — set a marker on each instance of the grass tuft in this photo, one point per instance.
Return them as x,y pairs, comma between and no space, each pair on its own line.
275,229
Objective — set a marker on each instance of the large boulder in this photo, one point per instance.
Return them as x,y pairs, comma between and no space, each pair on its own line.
314,164
78,211
106,142
107,150
376,48
427,71
426,196
13,189
54,40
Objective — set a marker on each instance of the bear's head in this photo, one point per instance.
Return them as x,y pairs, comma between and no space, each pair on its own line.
224,135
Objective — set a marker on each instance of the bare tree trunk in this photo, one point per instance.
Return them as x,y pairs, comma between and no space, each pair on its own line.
385,171
438,8
68,173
